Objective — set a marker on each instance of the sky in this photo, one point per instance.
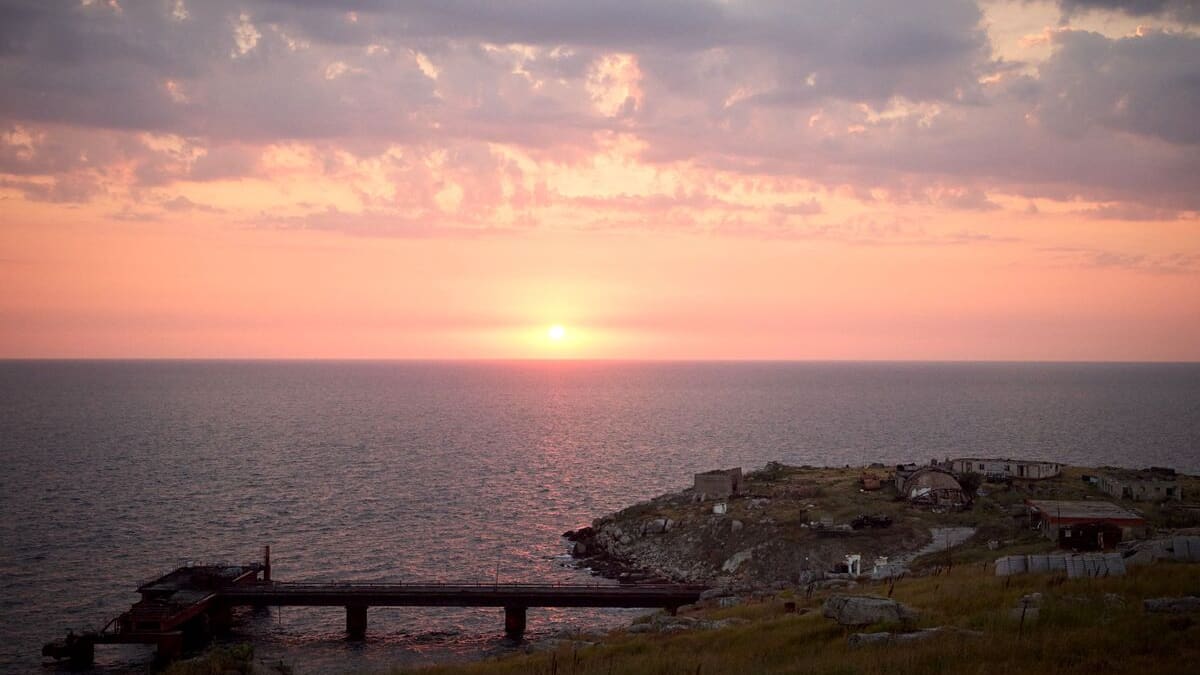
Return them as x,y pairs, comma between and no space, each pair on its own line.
660,179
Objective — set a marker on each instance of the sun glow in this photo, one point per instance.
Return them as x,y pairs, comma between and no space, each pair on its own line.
556,333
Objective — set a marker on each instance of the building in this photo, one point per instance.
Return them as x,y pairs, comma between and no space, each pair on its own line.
1148,485
930,485
1085,525
719,483
1006,468
901,474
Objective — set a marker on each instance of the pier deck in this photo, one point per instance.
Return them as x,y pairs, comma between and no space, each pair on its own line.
190,603
461,595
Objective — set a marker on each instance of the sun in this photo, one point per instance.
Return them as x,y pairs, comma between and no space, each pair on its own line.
556,332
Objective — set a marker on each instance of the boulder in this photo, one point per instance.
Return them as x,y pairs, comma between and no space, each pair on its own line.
826,584
1184,605
736,560
736,525
865,639
864,610
721,623
1031,600
657,526
714,593
1028,613
669,620
585,532
555,644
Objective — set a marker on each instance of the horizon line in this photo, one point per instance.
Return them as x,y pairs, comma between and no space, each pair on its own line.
497,360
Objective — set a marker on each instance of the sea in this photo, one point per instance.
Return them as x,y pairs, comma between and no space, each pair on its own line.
112,472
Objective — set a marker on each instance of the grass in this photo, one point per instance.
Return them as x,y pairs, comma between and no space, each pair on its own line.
1085,626
226,661
217,661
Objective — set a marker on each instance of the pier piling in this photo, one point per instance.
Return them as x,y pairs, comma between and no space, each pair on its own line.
169,646
356,622
220,618
514,622
84,655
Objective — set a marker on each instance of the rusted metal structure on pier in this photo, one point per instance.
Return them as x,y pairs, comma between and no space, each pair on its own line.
190,604
176,608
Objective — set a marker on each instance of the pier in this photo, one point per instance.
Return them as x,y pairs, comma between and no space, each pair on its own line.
186,606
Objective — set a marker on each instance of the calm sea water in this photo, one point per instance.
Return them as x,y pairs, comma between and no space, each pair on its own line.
113,472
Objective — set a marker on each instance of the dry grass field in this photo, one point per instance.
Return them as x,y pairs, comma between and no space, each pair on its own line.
1085,626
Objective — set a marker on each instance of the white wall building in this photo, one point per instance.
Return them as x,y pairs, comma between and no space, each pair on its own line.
1007,468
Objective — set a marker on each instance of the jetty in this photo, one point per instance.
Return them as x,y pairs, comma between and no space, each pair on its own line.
185,607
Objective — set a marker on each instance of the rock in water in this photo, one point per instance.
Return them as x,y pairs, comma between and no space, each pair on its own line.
585,532
863,610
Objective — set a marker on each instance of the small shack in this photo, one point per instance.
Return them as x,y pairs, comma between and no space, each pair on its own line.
719,483
1147,485
931,486
1085,526
1007,468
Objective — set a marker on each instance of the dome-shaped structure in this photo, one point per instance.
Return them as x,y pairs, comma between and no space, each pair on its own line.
934,486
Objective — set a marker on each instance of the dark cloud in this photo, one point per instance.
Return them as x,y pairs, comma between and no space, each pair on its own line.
89,65
92,66
1182,10
861,94
1147,84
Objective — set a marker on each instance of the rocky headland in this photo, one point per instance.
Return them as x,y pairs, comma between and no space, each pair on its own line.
792,526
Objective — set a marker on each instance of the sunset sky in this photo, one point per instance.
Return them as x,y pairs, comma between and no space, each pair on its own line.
788,179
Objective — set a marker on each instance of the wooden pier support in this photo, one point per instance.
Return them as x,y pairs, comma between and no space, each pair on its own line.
83,655
514,622
170,646
220,618
356,622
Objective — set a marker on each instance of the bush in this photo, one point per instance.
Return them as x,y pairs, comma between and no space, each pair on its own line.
970,483
238,658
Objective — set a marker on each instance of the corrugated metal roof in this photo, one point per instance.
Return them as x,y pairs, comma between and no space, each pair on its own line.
1081,509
